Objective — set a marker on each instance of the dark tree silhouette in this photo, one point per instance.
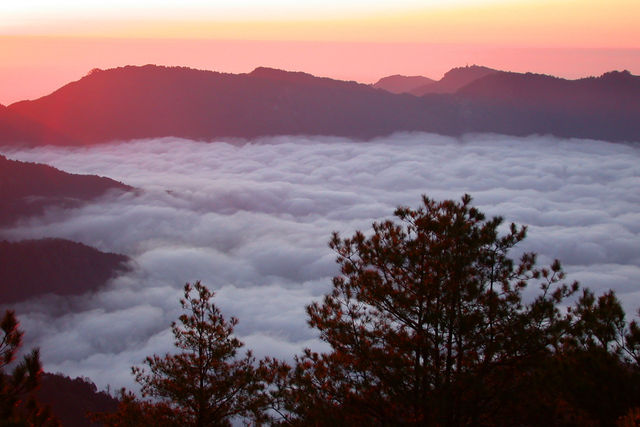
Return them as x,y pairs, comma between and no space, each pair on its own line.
18,406
428,325
71,400
133,412
205,384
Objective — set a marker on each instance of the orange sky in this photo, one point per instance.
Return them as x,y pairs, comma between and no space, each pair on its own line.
45,44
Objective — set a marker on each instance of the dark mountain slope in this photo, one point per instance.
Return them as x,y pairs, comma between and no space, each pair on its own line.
402,84
32,268
27,189
454,79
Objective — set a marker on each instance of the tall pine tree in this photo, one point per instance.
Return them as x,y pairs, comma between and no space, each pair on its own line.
428,325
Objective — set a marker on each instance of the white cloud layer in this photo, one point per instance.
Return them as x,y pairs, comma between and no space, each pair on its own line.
252,221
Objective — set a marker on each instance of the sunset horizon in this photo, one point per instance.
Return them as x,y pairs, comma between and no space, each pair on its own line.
45,47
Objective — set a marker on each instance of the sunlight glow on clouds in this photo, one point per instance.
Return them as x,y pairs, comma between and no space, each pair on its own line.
252,221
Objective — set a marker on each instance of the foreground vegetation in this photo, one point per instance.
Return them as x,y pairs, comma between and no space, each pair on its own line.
427,326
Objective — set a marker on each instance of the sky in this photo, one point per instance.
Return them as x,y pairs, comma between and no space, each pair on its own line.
44,44
252,221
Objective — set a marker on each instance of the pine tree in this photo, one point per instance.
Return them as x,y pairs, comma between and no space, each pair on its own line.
205,383
426,323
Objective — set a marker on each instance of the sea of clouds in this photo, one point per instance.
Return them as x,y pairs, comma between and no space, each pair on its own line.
252,219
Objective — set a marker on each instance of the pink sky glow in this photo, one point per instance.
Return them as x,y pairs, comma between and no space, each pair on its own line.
44,45
41,65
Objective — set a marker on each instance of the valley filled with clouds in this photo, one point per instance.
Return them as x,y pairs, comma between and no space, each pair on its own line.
251,220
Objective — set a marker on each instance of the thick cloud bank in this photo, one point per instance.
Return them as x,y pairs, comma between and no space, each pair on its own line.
252,221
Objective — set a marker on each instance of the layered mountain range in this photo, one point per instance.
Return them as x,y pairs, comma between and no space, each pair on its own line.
152,101
50,266
33,268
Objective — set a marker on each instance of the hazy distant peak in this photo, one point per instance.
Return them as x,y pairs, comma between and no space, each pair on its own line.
285,76
94,71
455,79
277,73
459,77
402,84
624,75
273,72
469,70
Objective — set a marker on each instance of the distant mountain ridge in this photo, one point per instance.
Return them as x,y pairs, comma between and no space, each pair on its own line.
28,189
151,101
